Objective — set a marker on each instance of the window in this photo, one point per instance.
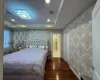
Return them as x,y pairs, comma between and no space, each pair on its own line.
6,38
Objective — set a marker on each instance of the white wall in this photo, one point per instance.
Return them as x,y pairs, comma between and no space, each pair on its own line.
1,38
66,46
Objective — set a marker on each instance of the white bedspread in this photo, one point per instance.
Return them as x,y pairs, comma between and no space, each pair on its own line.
29,60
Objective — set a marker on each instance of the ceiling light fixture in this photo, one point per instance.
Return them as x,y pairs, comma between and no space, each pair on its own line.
23,26
48,26
47,1
12,20
48,20
23,14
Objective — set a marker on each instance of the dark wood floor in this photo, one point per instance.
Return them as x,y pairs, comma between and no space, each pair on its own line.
58,69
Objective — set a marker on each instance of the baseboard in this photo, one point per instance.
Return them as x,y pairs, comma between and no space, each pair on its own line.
74,72
65,60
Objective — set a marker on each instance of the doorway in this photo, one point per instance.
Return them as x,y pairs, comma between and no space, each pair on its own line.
56,47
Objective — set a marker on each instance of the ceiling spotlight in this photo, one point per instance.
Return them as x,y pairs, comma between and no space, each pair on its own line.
48,26
12,20
47,1
48,20
23,26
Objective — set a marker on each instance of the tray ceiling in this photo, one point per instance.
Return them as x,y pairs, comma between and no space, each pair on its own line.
60,13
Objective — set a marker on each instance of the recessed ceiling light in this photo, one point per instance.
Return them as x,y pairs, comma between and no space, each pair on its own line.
48,20
24,14
47,1
48,26
23,26
12,20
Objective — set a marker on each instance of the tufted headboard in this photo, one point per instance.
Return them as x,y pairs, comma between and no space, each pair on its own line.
36,42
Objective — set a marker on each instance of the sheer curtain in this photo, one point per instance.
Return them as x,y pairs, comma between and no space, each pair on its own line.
6,38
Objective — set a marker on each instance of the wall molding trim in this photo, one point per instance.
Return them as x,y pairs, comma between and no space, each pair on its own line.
74,72
65,60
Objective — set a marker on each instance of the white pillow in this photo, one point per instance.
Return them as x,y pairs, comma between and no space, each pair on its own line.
41,47
27,46
32,46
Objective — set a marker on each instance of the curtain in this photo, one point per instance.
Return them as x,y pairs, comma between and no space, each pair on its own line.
6,38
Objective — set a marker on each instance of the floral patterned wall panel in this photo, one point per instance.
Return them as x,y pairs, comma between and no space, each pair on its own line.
81,49
80,43
21,35
29,35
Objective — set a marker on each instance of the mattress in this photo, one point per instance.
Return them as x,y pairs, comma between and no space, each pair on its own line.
26,61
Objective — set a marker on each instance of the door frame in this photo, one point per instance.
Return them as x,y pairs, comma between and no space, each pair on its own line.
94,13
52,43
67,36
66,46
1,37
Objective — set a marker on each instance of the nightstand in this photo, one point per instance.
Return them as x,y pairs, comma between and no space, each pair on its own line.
49,55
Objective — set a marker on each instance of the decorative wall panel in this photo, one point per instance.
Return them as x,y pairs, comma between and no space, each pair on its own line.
80,43
29,35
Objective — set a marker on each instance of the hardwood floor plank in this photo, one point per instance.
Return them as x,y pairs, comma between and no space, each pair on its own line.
58,69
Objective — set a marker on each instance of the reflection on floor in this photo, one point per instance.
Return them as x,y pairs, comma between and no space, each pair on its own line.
58,69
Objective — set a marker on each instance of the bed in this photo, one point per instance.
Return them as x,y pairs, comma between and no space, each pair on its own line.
26,64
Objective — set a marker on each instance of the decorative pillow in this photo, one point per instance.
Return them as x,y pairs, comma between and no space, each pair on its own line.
27,46
22,46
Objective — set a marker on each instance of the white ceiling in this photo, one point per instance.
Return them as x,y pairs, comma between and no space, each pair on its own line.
71,9
38,9
40,12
